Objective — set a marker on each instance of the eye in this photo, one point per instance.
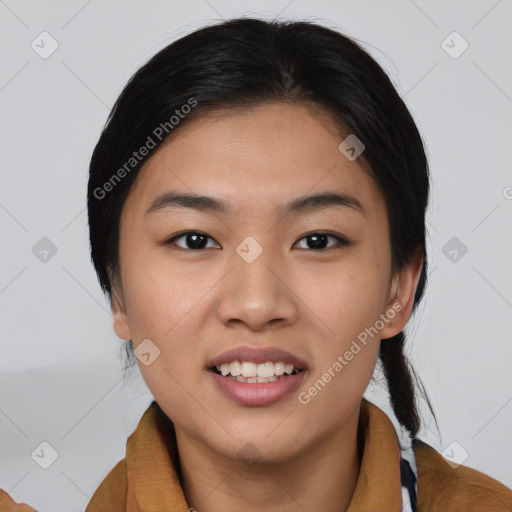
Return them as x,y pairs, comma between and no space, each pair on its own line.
318,241
194,240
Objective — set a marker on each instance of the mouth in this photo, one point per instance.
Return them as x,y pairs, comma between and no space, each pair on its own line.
251,373
257,377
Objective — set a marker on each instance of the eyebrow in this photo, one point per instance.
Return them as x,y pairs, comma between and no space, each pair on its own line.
208,204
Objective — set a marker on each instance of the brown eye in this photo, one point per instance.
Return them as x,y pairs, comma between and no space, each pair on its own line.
192,240
318,241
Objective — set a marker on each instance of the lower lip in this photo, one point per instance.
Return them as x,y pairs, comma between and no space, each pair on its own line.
257,393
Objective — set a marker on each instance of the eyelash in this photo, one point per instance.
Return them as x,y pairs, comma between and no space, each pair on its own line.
342,242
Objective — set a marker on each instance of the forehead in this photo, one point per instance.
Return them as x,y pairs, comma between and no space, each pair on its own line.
255,157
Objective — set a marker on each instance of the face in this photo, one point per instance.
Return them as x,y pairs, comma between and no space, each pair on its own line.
242,272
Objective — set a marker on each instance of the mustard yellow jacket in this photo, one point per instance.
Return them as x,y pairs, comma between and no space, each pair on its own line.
147,479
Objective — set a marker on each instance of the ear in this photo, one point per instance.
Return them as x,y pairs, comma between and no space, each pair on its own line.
401,296
119,316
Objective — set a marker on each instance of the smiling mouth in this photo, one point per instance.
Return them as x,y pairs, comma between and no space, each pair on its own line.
249,372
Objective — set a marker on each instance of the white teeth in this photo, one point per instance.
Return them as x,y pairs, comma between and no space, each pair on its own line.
246,371
252,380
249,369
235,368
278,368
266,369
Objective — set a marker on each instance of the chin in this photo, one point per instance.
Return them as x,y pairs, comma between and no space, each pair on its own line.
262,449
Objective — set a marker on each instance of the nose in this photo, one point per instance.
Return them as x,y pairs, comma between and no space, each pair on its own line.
257,295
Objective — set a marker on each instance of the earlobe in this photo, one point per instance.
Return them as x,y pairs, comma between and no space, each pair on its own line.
402,292
120,318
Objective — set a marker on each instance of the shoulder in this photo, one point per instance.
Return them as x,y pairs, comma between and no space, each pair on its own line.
111,493
447,488
7,504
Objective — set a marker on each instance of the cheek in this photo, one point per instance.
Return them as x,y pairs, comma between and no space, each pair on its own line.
171,390
158,295
165,306
349,296
350,302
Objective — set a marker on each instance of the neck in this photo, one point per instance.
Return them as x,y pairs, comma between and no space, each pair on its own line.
321,477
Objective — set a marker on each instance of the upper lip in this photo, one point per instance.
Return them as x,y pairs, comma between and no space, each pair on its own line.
258,355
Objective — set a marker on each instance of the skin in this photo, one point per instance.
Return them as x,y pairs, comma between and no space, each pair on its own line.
196,304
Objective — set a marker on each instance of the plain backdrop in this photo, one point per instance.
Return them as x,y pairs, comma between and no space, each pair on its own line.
60,363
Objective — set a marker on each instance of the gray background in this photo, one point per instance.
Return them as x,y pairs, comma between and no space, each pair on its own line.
60,365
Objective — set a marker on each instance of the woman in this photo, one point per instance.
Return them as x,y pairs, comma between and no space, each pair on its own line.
257,219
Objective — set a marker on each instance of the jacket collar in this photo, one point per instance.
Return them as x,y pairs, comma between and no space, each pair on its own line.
153,464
